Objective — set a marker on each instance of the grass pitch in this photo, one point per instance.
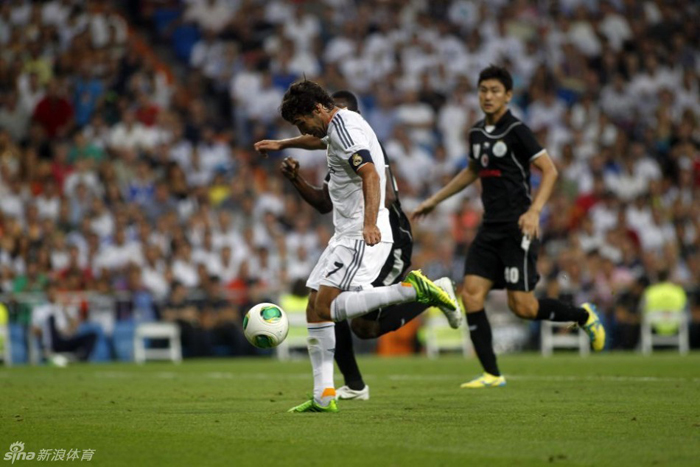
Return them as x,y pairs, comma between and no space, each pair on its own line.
621,410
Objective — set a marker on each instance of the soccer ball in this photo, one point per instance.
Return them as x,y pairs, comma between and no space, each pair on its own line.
265,325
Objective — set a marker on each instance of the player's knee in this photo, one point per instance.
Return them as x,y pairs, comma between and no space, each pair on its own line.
473,300
323,312
523,308
316,312
365,329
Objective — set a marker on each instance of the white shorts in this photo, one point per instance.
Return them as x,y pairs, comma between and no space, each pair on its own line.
349,264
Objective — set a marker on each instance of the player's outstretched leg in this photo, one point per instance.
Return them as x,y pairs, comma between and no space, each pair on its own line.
593,327
585,316
415,288
454,317
428,292
394,317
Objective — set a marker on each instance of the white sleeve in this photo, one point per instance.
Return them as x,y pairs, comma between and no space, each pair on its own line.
347,137
40,314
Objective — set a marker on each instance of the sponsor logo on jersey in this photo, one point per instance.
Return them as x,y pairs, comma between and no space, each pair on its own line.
500,149
486,173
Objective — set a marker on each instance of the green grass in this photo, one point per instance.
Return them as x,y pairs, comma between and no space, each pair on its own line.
603,410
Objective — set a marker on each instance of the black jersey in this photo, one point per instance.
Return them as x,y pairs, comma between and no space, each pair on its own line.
503,155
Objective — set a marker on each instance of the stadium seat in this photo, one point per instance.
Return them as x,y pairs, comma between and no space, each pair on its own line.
664,328
551,339
101,352
184,38
18,342
163,18
439,336
167,331
123,339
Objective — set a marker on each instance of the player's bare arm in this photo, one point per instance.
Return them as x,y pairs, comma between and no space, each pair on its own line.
460,181
317,197
309,142
529,222
370,190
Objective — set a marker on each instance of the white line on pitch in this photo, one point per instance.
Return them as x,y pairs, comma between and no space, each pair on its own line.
643,379
395,377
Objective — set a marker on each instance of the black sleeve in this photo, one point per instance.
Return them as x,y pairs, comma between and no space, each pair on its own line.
359,159
528,147
469,147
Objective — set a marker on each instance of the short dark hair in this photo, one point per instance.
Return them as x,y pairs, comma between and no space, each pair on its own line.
302,98
499,73
350,97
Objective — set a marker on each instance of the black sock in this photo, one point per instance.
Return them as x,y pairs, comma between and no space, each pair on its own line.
345,356
556,310
393,317
480,332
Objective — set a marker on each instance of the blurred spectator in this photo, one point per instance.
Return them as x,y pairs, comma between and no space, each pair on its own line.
667,297
54,112
111,156
56,323
180,310
13,117
628,311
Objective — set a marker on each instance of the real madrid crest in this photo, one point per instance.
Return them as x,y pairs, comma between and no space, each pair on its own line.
500,149
356,160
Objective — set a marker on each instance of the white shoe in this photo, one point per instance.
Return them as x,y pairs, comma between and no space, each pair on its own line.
454,317
345,393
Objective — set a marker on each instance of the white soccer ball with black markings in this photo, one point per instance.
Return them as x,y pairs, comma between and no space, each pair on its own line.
265,325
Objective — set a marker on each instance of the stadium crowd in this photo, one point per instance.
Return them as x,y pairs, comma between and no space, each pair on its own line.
122,177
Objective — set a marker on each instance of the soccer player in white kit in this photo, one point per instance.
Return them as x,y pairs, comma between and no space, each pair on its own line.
341,281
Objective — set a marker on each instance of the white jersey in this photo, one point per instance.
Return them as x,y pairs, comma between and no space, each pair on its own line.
349,133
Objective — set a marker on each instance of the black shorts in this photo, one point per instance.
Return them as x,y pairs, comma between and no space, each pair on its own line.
399,261
498,254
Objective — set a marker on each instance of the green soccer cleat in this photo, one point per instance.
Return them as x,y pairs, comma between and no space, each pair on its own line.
427,292
312,406
594,328
487,380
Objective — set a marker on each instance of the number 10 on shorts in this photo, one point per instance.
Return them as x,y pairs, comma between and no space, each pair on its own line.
512,275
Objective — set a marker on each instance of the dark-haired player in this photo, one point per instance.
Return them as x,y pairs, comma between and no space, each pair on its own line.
504,252
341,282
378,322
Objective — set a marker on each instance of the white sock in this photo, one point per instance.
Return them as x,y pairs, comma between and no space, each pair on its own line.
349,305
321,344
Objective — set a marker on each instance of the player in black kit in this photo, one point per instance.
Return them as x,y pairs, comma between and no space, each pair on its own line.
504,252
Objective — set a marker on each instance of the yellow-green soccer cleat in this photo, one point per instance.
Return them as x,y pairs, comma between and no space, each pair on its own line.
487,380
427,292
594,328
312,406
